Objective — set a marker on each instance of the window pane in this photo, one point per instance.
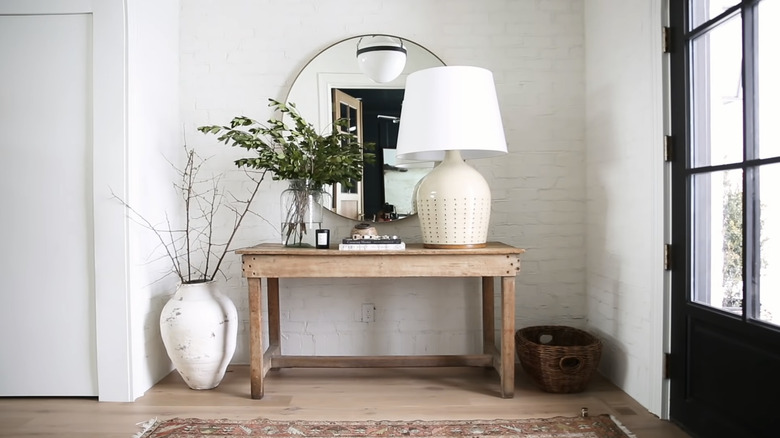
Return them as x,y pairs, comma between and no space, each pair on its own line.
769,249
768,89
716,69
704,10
717,240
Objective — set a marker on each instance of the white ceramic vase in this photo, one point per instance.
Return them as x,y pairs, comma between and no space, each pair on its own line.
199,326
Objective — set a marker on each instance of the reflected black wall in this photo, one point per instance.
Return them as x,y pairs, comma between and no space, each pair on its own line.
383,133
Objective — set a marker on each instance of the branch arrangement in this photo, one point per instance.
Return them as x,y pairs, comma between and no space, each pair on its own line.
193,250
297,151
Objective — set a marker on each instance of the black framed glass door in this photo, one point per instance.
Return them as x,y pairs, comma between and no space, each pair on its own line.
725,216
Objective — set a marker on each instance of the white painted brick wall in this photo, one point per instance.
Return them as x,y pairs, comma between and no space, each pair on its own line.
154,136
625,213
237,53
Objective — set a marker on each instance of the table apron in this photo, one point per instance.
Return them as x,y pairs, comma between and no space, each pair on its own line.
380,265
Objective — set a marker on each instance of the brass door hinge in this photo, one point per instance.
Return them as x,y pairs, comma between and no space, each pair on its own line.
668,148
667,39
667,257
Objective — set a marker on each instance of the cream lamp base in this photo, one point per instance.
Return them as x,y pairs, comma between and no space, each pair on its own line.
453,205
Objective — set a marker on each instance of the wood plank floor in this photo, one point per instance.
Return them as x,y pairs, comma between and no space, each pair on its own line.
334,394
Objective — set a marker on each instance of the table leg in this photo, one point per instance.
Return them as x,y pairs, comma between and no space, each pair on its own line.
256,349
507,337
488,316
274,323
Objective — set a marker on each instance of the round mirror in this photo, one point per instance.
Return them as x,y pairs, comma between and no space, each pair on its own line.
332,85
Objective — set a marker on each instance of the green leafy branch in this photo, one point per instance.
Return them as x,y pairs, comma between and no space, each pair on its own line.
297,151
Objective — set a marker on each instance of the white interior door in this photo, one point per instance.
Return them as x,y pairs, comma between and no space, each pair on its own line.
348,201
47,294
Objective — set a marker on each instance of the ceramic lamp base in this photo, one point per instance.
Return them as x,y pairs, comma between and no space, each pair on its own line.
453,205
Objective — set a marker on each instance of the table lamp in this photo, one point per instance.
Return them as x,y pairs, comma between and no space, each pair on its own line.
450,114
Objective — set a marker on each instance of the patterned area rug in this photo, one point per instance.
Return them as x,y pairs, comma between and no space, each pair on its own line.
602,426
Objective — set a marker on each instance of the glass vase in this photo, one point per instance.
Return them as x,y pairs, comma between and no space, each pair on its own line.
301,206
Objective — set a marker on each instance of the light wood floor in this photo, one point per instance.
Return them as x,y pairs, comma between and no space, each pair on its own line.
335,394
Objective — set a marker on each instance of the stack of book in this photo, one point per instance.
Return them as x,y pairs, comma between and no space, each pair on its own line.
383,243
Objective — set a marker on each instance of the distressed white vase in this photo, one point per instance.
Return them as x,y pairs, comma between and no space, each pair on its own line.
199,326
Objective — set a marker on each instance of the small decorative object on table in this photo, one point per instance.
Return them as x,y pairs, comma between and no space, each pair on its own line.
558,358
323,238
363,230
370,241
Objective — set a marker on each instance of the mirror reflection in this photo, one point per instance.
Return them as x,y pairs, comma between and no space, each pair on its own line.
332,85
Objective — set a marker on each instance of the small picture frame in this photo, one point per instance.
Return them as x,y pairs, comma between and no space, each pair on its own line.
323,238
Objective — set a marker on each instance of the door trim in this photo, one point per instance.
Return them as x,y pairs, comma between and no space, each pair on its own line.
109,144
111,223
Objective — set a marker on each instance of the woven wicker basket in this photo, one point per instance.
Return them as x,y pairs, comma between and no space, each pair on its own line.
558,358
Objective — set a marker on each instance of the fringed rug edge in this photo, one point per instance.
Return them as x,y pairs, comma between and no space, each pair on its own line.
623,428
149,426
146,427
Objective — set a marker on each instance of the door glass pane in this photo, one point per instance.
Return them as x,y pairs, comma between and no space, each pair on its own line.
769,246
768,89
704,10
716,88
717,240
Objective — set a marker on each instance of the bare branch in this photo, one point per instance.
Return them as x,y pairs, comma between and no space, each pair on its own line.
194,243
187,184
174,247
154,230
238,222
209,215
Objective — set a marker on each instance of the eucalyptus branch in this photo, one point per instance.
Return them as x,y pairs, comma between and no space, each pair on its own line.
297,151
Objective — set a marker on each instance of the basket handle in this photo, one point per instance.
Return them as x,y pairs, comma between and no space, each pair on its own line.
570,364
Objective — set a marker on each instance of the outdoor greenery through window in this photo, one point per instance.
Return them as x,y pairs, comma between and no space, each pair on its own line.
734,155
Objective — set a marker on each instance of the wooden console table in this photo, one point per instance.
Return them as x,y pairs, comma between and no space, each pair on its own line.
274,261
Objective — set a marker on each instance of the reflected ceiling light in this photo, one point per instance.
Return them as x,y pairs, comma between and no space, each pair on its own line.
451,114
380,57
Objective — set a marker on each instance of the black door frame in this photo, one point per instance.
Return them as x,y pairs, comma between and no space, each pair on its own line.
722,366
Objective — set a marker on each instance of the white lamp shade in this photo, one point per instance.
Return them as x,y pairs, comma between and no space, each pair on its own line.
381,58
450,108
